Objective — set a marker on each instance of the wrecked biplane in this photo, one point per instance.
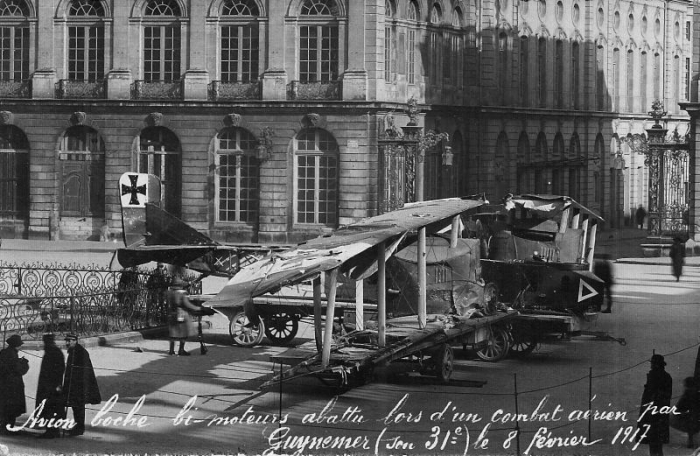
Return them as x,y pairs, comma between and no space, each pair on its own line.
358,251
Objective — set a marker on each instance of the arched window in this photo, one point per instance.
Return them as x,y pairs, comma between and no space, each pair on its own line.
14,40
559,73
657,75
160,154
542,69
240,48
630,81
643,70
457,49
237,182
412,16
575,74
14,174
524,70
600,86
575,171
389,69
523,162
558,155
503,73
82,157
597,178
541,153
86,41
616,79
161,41
318,41
435,45
315,178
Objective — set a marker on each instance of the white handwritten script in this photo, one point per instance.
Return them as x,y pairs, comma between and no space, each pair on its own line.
343,429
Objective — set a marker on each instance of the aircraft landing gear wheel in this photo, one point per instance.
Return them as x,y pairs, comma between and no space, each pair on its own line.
245,336
281,328
497,346
444,363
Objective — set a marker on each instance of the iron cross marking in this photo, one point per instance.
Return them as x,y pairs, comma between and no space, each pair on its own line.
134,189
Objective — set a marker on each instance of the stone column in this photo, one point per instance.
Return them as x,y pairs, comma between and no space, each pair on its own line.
274,78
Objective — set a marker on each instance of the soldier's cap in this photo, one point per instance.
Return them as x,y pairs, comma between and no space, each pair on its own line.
71,336
14,341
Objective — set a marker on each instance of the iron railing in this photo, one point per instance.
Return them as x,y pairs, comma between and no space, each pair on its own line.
35,299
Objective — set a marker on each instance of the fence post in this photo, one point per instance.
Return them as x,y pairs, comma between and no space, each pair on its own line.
72,315
18,285
517,423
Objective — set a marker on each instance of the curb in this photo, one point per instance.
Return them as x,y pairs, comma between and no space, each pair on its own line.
106,340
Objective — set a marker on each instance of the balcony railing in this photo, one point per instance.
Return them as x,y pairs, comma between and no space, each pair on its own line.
219,90
144,90
16,89
317,90
66,88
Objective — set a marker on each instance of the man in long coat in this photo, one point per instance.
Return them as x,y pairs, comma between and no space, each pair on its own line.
50,386
79,385
12,368
657,392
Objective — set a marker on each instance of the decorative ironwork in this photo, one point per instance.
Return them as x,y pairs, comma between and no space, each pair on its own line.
35,299
143,90
219,91
317,90
15,89
668,161
65,88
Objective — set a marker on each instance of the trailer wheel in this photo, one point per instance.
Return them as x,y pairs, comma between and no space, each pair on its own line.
523,344
281,328
245,337
497,346
444,363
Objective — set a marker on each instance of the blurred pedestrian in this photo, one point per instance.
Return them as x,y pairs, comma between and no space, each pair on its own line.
157,285
12,368
654,427
602,267
687,417
179,319
50,386
80,384
639,216
677,254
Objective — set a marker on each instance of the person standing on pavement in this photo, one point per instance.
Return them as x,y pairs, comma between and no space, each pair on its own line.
179,319
677,254
602,268
50,386
654,427
639,217
80,384
12,368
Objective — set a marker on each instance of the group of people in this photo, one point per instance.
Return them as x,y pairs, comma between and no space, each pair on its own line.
62,384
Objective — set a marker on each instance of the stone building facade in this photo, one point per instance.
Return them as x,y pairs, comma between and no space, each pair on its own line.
265,119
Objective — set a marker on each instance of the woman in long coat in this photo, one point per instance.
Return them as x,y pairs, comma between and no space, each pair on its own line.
179,319
677,254
654,427
12,368
50,386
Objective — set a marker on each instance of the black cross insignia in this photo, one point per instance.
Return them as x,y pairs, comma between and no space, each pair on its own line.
134,190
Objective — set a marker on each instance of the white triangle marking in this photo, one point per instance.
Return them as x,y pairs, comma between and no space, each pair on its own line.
582,283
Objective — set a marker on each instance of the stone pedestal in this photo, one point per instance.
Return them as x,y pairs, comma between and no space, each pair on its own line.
355,85
44,83
274,85
119,84
195,85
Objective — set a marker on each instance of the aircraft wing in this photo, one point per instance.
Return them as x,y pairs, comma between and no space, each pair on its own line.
352,248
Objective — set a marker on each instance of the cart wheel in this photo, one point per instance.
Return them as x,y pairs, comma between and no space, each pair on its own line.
245,337
490,298
523,344
281,328
444,363
497,347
